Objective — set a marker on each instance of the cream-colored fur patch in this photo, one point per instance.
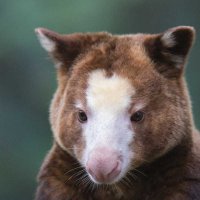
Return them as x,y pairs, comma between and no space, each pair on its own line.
168,39
46,43
111,93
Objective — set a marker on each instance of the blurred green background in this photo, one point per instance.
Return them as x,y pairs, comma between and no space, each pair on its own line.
27,76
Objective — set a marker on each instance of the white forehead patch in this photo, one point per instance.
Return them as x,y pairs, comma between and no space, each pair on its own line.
108,93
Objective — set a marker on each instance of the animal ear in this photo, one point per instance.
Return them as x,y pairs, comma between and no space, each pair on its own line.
65,48
169,50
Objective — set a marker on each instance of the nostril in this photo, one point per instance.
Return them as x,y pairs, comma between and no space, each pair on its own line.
104,165
104,173
90,172
98,175
115,171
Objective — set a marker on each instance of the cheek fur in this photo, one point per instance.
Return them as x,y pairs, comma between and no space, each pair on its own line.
158,134
69,134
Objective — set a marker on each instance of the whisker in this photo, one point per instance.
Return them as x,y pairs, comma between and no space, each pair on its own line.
124,182
132,175
74,175
77,163
72,148
71,170
88,185
128,180
81,179
69,178
115,187
93,186
140,172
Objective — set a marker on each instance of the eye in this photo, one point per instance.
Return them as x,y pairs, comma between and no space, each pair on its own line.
137,116
82,117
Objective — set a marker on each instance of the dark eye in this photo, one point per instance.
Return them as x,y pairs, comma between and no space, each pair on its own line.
82,117
137,116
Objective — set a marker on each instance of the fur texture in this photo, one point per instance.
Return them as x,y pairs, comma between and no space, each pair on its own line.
110,78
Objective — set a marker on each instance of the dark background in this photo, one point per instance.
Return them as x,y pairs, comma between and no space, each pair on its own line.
27,76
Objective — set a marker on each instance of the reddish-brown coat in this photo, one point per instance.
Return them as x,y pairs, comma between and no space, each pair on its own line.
166,146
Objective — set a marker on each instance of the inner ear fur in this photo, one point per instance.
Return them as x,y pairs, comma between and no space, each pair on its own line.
169,50
65,48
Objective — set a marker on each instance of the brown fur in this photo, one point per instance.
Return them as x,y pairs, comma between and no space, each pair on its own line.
167,145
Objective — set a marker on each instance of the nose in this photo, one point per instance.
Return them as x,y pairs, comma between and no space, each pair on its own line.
104,165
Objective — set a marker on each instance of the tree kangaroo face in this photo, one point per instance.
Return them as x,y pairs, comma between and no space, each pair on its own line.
120,99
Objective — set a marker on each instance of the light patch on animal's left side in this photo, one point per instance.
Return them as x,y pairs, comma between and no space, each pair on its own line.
108,101
46,42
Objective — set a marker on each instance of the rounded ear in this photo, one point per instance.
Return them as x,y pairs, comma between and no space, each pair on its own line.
65,48
169,50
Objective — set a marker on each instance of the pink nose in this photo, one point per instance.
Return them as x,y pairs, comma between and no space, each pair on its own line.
104,165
